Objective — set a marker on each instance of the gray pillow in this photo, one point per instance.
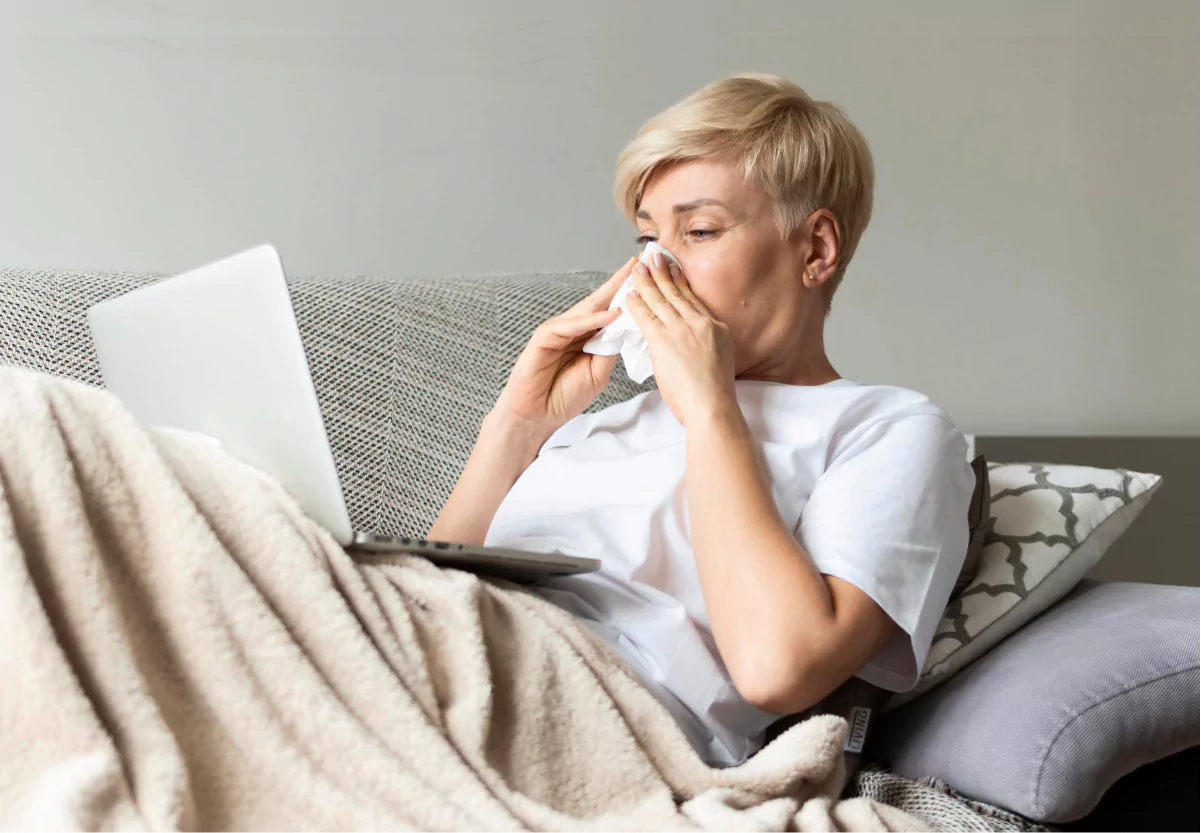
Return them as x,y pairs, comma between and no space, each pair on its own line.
1102,683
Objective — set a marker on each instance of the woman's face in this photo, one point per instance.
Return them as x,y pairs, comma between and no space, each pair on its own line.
734,260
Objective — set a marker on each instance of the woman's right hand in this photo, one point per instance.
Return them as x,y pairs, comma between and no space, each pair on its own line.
554,380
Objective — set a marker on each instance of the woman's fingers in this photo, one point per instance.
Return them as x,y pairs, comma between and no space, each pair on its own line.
647,289
652,284
602,296
671,285
601,368
644,316
686,292
563,329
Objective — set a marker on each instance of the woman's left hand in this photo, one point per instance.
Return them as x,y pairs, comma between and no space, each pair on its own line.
691,352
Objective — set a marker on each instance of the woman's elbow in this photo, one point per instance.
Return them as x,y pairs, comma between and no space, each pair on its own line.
780,688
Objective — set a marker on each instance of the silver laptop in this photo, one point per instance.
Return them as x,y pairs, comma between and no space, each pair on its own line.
217,350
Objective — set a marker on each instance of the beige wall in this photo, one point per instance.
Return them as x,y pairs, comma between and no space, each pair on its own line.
1032,263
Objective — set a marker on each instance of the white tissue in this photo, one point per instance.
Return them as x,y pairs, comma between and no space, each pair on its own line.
623,335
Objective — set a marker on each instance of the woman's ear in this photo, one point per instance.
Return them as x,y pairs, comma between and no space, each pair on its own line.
823,249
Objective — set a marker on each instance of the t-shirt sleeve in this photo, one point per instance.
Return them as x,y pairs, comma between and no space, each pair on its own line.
889,515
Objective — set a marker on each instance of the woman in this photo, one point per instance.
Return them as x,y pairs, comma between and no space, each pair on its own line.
767,528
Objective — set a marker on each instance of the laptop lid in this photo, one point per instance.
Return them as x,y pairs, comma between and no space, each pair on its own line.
217,350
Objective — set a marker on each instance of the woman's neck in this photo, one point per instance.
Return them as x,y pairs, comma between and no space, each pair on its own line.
817,374
804,363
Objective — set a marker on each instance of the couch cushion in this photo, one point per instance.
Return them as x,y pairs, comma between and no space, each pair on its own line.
1102,683
405,369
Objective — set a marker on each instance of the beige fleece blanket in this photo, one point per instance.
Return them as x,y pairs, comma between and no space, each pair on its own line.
180,647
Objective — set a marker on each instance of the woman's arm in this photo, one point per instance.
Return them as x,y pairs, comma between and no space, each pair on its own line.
788,635
552,382
505,447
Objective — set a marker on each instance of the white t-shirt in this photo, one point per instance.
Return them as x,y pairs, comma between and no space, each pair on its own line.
873,480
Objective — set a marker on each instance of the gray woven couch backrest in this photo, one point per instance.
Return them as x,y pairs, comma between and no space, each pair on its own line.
405,370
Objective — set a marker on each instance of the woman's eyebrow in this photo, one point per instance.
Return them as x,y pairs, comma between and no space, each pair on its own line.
682,207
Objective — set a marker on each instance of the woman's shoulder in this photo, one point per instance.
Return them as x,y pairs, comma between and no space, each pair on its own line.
848,400
905,412
881,401
840,409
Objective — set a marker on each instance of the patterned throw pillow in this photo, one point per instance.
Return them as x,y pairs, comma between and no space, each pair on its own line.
1049,525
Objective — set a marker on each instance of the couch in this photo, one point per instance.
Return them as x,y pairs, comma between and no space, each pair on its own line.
406,369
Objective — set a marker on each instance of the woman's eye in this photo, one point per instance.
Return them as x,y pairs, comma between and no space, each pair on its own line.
644,239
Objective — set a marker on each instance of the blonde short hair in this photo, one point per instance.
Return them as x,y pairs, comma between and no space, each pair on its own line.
806,154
